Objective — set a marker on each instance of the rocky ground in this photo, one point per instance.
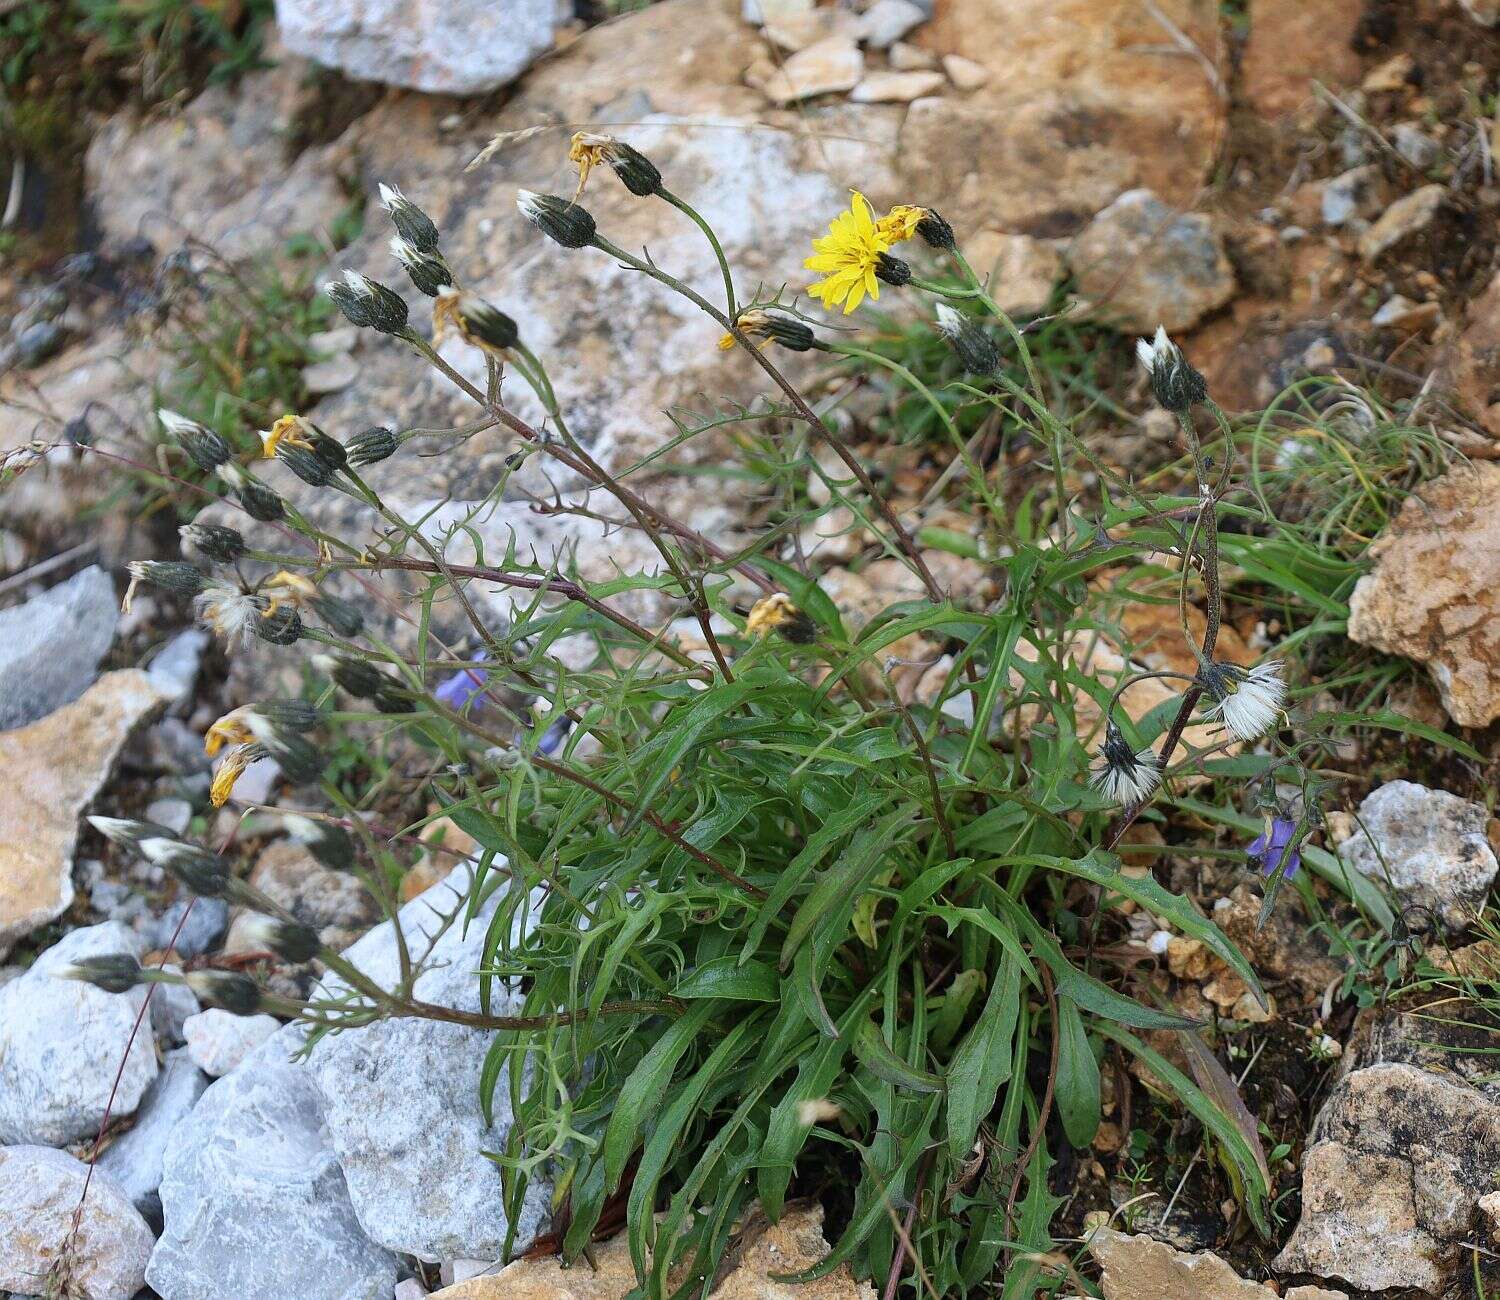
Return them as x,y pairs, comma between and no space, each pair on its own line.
1292,188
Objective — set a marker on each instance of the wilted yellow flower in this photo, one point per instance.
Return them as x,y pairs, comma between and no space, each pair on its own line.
588,150
230,770
777,613
901,222
291,430
231,729
847,257
286,588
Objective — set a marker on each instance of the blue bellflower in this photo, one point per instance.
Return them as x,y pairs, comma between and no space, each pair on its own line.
459,690
1275,851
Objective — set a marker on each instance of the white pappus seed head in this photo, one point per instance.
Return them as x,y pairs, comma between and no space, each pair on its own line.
390,195
1125,776
1155,351
529,202
950,323
1249,702
178,426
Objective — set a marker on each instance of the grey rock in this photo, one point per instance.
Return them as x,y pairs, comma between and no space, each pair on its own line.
253,1201
116,901
401,1099
1142,264
218,1041
204,927
171,1006
886,21
1430,844
1415,145
61,1043
107,1259
462,47
134,1160
1349,195
39,342
175,666
174,748
331,376
1407,216
174,814
51,646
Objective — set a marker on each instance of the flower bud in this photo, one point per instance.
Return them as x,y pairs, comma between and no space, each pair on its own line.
205,873
171,575
937,232
358,677
775,328
289,940
1175,384
390,700
367,302
481,324
567,223
237,994
281,625
777,613
372,446
332,845
298,758
974,347
259,501
427,271
306,465
892,270
289,715
127,832
339,615
412,224
215,543
116,972
205,448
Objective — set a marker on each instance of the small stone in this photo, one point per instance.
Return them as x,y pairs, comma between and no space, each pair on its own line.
50,771
1401,313
174,814
1430,845
217,1040
1405,217
796,31
1138,1267
964,73
39,342
761,12
1144,265
51,646
1349,195
895,87
315,895
61,1043
1388,77
886,21
1489,1206
905,57
327,344
253,1200
1022,271
134,1159
43,1188
174,668
411,1289
202,921
1415,145
332,376
826,67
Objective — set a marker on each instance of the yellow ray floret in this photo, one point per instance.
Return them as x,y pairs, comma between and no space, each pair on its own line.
289,429
847,257
231,729
901,222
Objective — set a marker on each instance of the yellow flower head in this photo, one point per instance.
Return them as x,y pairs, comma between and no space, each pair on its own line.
231,729
291,430
230,770
751,322
847,257
901,222
588,149
777,613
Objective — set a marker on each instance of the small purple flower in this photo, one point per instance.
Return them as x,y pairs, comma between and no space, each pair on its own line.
1275,851
457,691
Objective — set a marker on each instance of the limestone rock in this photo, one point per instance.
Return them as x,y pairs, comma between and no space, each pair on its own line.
333,902
401,1097
1022,271
459,47
1291,45
253,1200
1431,844
964,73
50,771
1407,216
1138,1267
896,87
823,68
1142,265
1392,1183
886,21
785,1247
1434,595
134,1160
61,1042
51,645
217,1040
107,1260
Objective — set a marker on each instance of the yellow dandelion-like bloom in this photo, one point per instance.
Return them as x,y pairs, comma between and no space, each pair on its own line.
291,430
777,613
231,729
588,150
901,222
230,770
847,257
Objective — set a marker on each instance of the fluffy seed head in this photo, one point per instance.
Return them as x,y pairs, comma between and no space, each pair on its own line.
1124,776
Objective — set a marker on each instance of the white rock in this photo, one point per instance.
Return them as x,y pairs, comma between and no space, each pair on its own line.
217,1040
1349,194
1433,845
174,668
459,47
1407,216
174,814
886,21
254,1204
401,1099
134,1160
331,376
411,1289
50,647
107,1260
896,87
964,73
761,12
171,1006
823,68
905,57
61,1042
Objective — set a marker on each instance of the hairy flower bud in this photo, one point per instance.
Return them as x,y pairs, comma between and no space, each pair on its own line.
127,832
205,873
115,972
205,448
974,347
289,940
777,613
427,271
281,625
935,231
332,845
237,994
289,715
215,543
367,302
372,446
567,223
412,224
775,328
358,677
339,615
1174,383
260,502
306,465
171,575
482,324
892,270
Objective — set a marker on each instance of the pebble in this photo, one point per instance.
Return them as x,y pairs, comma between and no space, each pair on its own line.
202,929
895,87
174,814
886,21
1415,145
331,376
50,647
1348,195
823,68
1405,217
964,73
904,57
218,1041
174,668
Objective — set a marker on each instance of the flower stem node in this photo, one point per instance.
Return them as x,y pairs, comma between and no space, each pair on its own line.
115,972
427,271
1175,384
237,994
773,328
479,323
974,347
777,613
637,173
368,303
1125,776
205,448
567,223
1249,702
412,224
215,543
372,446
